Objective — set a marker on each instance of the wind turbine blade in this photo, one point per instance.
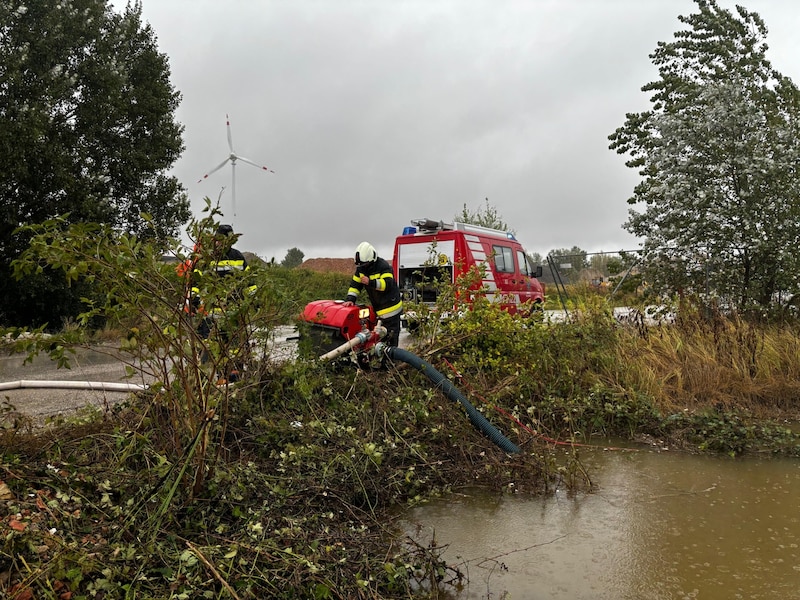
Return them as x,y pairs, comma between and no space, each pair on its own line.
255,164
230,137
215,169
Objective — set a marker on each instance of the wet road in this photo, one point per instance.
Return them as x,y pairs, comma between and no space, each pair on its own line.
100,364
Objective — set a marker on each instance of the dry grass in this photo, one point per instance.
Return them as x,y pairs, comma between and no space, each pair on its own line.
724,363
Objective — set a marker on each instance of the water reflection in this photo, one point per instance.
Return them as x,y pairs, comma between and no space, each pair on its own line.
661,526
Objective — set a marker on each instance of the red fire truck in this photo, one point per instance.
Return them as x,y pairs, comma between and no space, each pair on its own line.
431,252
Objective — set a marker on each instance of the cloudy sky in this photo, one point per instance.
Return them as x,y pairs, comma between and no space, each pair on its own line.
376,112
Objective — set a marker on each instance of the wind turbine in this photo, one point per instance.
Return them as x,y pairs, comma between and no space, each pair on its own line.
232,158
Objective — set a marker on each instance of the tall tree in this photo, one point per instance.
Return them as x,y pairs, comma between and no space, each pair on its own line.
536,258
293,258
488,216
87,127
570,258
718,154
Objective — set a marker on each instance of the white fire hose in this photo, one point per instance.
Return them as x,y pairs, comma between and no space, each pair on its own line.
362,337
103,386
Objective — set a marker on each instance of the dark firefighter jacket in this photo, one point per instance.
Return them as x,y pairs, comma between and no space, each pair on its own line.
382,289
233,261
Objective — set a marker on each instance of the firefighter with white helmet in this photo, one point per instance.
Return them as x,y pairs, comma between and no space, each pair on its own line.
375,275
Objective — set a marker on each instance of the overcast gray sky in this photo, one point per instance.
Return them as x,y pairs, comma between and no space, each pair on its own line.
376,112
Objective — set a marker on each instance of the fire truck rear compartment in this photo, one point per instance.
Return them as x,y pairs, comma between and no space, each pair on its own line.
422,284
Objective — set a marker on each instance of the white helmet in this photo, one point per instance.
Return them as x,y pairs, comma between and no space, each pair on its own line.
365,253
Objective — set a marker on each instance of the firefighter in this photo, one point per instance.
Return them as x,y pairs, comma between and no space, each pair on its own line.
226,261
375,274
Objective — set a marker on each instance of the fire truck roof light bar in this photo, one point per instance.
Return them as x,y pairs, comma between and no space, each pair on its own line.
431,225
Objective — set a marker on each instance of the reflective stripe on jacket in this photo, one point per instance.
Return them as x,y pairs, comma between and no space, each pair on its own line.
383,291
234,261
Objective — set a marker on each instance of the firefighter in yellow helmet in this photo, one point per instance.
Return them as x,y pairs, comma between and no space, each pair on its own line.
375,275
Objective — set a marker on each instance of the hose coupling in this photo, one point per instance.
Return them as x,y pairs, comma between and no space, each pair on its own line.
380,348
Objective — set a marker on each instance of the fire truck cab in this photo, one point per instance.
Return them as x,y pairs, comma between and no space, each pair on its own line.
433,252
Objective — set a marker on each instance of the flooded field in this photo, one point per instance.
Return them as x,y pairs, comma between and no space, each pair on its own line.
661,526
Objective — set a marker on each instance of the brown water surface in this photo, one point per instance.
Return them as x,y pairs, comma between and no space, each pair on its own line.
661,526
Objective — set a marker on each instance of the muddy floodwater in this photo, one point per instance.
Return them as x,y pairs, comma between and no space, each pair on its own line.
660,526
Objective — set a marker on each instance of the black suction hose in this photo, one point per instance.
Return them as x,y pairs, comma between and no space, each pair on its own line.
477,419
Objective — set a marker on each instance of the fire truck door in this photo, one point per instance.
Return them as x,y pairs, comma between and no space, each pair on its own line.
525,274
506,273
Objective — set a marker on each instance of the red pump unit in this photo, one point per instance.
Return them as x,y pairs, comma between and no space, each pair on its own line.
332,323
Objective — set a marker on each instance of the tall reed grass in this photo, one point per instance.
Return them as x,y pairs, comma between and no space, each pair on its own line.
709,359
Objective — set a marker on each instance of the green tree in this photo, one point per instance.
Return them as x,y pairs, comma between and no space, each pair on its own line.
718,155
87,128
623,271
293,258
536,258
489,216
599,262
574,259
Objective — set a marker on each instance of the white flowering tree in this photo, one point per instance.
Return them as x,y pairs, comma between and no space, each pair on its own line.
718,153
87,127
